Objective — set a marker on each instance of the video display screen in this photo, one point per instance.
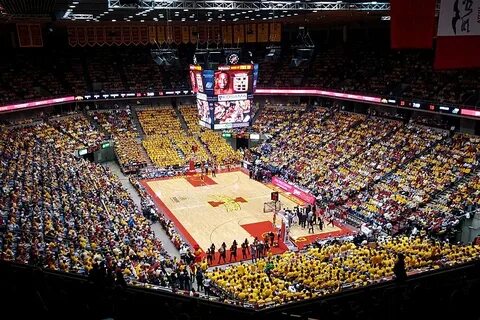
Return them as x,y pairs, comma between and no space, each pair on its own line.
196,81
229,81
232,112
204,113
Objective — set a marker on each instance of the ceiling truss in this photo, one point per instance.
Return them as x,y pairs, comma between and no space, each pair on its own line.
250,5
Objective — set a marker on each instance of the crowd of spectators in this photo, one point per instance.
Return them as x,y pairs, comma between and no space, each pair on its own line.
68,214
80,129
380,169
332,268
357,67
118,123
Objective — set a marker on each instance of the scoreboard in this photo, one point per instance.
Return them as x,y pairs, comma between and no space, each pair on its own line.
224,95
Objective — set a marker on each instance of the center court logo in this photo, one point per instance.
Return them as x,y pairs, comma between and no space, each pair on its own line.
229,203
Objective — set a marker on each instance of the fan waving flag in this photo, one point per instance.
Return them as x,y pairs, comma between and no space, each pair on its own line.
458,42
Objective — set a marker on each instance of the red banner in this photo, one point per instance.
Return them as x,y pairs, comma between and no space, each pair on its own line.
412,23
293,190
457,52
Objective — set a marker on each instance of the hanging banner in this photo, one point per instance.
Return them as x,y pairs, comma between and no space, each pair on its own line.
169,34
193,34
185,34
275,32
217,34
100,35
82,37
109,35
251,30
72,36
227,34
91,36
36,35
459,18
238,33
143,34
177,34
135,35
117,35
202,33
152,34
161,34
412,24
126,35
262,34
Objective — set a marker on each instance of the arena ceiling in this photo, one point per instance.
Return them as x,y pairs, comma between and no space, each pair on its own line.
192,11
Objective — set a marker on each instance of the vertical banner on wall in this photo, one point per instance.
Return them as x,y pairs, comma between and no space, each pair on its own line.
143,33
251,31
238,33
458,41
91,36
227,34
109,36
117,35
100,35
135,35
202,33
412,23
177,34
72,36
262,34
161,34
185,34
126,35
275,32
36,35
29,35
169,34
193,34
82,36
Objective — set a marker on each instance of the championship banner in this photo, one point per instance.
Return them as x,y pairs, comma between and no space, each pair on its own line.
202,33
193,34
459,18
169,34
136,35
227,34
458,41
91,36
71,32
100,35
82,37
126,35
262,32
238,33
185,34
177,34
161,34
117,35
251,32
275,32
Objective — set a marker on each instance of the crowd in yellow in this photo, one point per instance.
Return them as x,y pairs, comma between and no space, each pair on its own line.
118,124
69,214
79,128
190,114
222,152
331,268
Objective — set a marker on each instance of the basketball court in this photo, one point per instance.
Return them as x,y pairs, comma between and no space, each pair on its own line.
224,208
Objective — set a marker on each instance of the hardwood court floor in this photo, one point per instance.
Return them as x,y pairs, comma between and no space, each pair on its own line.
223,208
215,213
